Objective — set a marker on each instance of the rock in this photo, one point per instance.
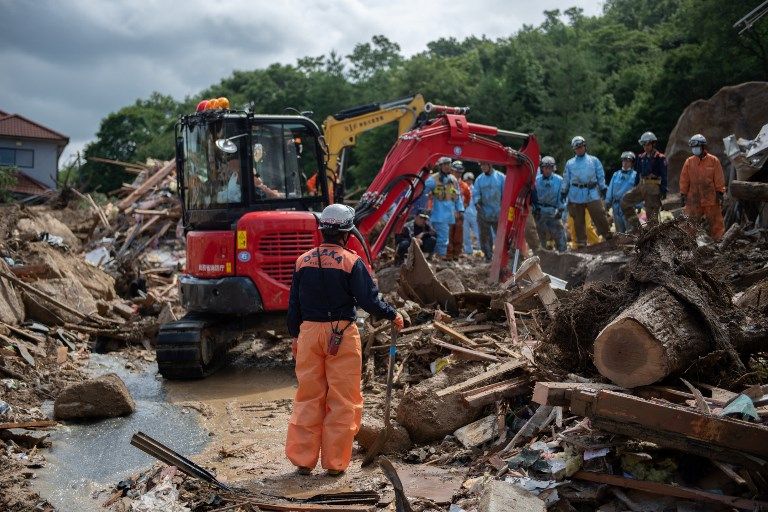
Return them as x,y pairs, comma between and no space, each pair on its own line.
26,438
478,432
739,109
37,223
103,397
11,305
386,278
398,441
67,291
428,417
500,496
450,280
100,284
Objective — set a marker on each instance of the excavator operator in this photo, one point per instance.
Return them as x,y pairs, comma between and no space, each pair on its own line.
328,281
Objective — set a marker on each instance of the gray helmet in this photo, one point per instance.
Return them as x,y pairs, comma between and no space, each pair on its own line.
697,140
647,137
337,217
457,165
468,176
443,160
578,141
548,161
628,155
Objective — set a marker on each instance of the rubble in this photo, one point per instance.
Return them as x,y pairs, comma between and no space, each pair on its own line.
103,397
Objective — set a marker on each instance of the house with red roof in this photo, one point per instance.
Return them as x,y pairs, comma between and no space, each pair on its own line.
33,149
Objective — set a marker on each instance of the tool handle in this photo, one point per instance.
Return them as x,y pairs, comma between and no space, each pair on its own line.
390,373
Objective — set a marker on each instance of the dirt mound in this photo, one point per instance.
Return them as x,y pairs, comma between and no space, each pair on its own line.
740,109
59,264
35,224
67,291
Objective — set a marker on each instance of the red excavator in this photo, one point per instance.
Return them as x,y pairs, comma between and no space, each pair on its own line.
247,216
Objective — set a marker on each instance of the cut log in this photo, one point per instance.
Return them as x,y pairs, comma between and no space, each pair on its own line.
653,338
749,190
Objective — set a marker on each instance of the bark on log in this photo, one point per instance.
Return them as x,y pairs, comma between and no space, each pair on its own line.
651,339
749,190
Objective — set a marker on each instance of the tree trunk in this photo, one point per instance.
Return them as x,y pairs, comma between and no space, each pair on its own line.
749,190
653,338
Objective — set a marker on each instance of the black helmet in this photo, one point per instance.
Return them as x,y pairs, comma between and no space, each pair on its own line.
337,217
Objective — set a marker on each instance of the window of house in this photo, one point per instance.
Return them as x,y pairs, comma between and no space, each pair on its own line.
17,157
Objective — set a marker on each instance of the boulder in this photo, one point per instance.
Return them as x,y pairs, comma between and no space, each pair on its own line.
398,441
103,397
37,223
67,291
501,496
11,304
428,417
100,284
739,109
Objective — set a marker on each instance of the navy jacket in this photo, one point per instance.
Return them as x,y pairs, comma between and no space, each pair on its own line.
654,165
330,293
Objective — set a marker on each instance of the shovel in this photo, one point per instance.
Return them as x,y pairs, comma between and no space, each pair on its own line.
381,440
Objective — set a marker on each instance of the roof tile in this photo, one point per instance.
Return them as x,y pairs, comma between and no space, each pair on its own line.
16,125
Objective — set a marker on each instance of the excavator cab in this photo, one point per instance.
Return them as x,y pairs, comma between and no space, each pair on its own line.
247,217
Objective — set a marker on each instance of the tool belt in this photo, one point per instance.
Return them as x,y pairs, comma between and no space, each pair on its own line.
650,180
587,185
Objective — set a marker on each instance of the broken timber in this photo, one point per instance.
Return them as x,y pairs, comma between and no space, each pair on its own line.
483,377
531,269
560,393
492,392
466,353
671,490
454,334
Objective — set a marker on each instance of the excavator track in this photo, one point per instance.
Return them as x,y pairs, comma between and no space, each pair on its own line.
189,348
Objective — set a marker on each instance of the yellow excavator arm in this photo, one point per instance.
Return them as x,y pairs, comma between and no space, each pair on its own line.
341,130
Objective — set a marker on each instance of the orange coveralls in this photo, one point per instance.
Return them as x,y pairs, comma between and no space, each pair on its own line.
700,181
456,231
329,402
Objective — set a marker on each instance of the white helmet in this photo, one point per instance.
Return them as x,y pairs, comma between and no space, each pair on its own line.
468,176
697,140
443,160
337,217
578,141
548,161
457,165
647,137
628,155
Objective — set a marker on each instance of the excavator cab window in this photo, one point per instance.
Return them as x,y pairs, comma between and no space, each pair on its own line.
284,157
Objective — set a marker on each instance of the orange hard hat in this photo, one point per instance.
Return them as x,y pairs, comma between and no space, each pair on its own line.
223,102
202,106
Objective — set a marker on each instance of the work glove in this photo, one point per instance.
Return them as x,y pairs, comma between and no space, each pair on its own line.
720,198
294,347
682,199
398,322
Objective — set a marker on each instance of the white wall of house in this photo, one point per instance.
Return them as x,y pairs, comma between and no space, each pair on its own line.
46,160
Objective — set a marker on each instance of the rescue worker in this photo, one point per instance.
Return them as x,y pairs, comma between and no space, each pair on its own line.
650,183
328,282
621,182
470,217
456,234
419,230
584,185
486,196
702,186
447,203
548,205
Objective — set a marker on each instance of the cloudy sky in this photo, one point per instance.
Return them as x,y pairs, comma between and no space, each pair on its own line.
69,63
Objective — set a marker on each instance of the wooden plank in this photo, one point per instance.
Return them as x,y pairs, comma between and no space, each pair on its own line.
671,490
469,329
559,393
718,431
494,392
440,326
546,293
28,424
149,183
526,266
31,270
528,290
477,432
466,352
509,309
483,377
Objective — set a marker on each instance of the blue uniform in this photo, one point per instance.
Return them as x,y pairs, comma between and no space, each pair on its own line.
549,205
470,226
583,179
621,182
486,196
446,201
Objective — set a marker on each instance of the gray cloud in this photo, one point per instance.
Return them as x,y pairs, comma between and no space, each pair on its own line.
69,64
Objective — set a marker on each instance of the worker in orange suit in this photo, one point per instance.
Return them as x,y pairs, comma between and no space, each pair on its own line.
328,282
702,186
456,231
